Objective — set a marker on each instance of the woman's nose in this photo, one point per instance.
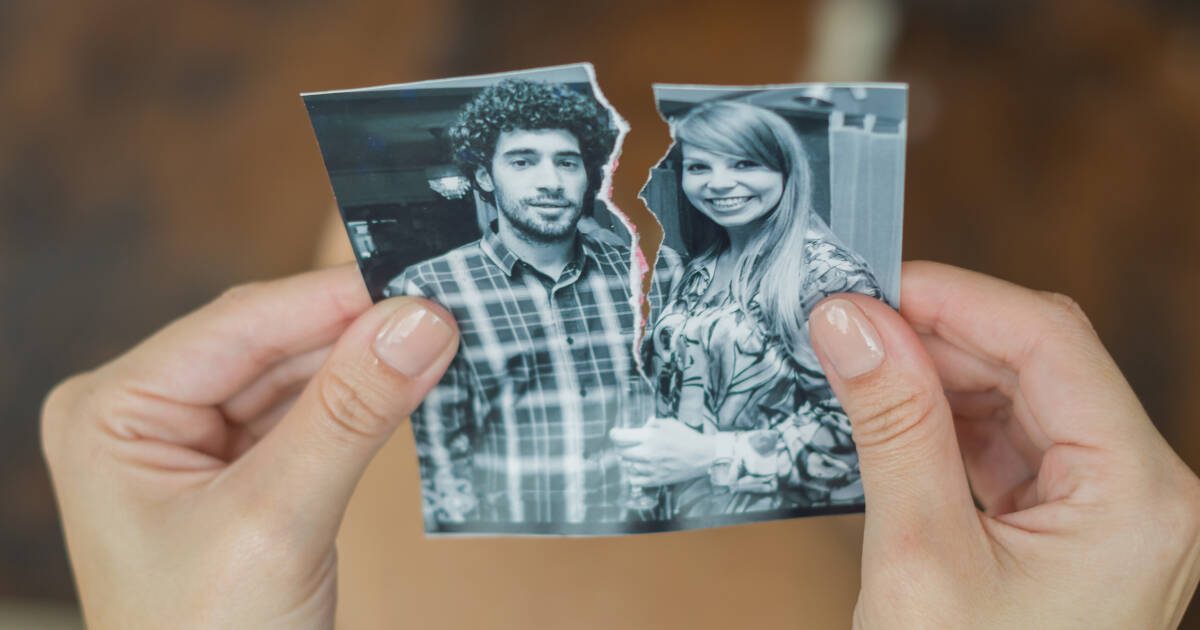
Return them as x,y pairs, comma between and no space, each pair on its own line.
721,179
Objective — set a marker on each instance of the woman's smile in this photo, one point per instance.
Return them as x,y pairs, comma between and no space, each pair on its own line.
730,203
732,190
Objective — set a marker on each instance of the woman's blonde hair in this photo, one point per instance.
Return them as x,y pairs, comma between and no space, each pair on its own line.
772,269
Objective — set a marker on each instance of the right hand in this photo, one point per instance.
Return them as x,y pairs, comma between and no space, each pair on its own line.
1090,520
664,451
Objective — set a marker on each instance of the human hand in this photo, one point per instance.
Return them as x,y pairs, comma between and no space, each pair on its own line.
663,452
1090,520
203,475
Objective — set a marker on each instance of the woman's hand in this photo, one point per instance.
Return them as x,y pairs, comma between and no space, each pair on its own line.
1091,520
203,475
663,452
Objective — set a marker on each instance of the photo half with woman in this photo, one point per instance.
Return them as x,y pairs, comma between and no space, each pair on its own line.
775,198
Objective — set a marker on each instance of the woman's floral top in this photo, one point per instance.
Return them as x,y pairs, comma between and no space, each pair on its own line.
783,439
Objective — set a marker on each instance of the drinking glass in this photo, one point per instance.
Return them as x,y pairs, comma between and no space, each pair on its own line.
635,408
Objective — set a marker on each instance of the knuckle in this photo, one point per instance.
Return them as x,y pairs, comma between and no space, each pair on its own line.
1185,523
1179,515
1189,511
891,418
265,534
349,409
57,409
1065,309
239,295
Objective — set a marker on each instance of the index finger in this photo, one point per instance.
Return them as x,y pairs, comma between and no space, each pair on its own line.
1065,379
207,356
625,438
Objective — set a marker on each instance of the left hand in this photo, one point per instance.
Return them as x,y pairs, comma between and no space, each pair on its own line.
202,476
663,452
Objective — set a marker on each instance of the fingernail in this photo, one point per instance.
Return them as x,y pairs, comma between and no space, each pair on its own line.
847,337
412,339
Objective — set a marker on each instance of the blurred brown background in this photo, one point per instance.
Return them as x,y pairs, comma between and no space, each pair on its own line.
154,153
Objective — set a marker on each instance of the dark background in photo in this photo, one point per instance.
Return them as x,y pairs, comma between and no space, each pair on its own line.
401,196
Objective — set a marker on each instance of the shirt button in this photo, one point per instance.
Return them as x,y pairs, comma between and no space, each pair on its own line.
583,392
570,341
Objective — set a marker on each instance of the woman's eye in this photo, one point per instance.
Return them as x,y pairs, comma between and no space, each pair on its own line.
695,168
746,164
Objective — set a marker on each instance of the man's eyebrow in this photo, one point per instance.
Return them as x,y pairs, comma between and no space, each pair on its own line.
526,151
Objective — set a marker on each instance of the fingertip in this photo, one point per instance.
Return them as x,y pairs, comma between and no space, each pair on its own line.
842,332
866,335
415,336
437,310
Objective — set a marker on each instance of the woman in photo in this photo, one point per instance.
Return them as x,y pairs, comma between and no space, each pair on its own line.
746,419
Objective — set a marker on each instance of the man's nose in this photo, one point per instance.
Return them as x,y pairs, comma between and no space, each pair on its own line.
547,177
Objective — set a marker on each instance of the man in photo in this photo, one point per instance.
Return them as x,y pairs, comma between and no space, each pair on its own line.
517,430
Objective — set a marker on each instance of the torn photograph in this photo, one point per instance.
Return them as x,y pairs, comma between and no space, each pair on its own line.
776,198
560,415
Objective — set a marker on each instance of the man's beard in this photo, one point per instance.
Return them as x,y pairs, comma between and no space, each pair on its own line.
527,221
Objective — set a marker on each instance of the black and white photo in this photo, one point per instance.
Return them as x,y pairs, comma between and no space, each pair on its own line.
563,412
746,422
515,438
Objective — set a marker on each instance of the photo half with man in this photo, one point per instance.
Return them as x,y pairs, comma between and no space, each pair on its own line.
577,404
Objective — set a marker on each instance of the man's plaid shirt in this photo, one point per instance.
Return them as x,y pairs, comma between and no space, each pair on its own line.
520,421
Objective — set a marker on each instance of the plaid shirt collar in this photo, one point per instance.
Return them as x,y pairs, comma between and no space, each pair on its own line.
504,258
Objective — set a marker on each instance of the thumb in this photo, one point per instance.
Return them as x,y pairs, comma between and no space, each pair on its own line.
379,371
912,471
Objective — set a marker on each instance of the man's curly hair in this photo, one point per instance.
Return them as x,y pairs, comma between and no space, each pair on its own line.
516,104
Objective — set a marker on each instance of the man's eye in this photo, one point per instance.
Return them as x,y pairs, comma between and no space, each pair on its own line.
519,163
572,164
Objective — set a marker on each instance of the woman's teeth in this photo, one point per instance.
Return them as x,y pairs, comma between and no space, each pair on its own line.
729,203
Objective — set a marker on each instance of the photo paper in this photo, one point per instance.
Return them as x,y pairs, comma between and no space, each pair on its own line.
563,412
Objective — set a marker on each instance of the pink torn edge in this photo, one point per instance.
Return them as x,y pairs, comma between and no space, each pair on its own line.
638,266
